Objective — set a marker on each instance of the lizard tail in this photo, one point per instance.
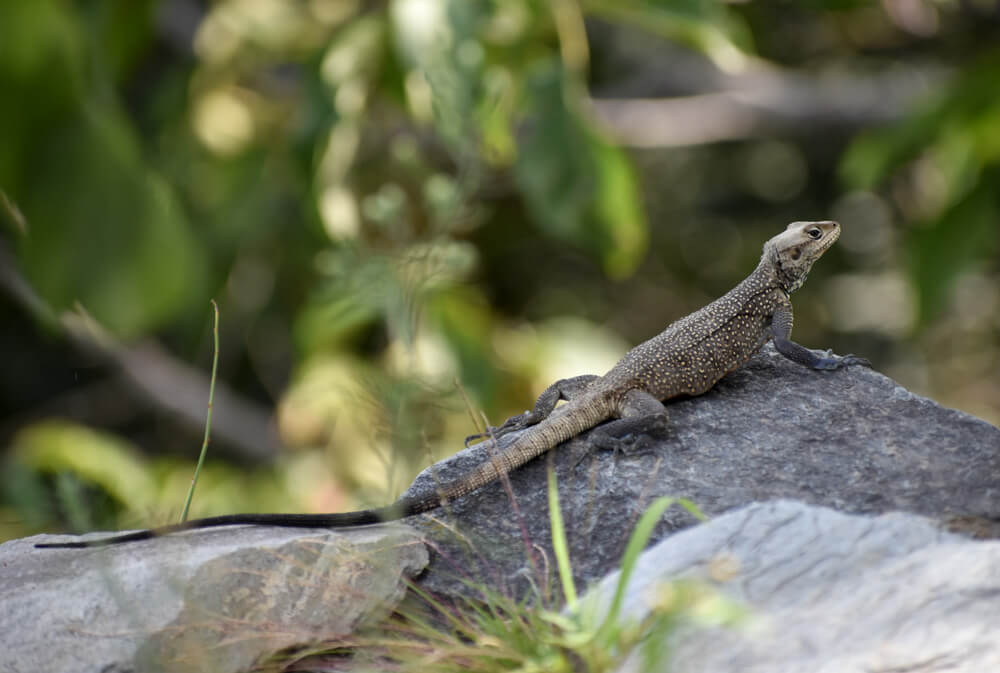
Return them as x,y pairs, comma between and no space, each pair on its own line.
400,509
538,439
534,442
397,510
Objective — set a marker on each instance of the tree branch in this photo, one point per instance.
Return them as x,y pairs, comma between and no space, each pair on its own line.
765,101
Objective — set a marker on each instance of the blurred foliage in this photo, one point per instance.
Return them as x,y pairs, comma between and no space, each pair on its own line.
98,203
946,160
387,197
102,480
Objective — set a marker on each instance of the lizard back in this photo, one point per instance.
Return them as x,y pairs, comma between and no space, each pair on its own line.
694,352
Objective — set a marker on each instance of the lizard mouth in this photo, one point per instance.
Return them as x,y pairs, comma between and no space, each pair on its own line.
830,240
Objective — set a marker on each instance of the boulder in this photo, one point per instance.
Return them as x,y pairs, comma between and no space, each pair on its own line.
852,440
211,602
821,591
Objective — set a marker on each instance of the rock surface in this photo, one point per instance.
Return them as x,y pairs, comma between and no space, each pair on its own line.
214,602
826,592
852,440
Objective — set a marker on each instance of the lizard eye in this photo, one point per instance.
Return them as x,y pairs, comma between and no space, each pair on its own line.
815,233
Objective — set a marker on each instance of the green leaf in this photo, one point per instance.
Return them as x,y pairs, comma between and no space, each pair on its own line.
955,141
111,227
579,188
39,44
96,457
362,285
965,232
102,228
463,318
704,25
122,31
617,207
967,108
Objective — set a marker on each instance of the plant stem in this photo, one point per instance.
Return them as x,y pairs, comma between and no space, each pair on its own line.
208,417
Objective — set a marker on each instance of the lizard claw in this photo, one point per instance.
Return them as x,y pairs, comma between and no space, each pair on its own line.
490,432
849,359
831,361
472,438
512,424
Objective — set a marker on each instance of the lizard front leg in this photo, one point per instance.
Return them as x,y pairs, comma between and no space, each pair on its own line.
781,331
563,389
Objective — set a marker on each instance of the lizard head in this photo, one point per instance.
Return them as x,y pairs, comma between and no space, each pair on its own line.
792,252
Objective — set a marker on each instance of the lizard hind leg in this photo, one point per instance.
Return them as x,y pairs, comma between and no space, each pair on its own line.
641,416
563,389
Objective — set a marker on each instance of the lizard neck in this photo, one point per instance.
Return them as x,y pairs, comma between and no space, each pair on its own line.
770,272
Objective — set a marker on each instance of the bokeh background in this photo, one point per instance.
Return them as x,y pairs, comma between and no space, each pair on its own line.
412,213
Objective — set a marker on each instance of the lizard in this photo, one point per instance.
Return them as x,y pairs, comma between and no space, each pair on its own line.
687,358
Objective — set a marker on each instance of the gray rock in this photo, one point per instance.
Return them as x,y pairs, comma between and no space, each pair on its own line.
851,439
214,602
825,592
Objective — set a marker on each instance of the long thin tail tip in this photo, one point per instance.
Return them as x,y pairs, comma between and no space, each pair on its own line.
63,545
98,542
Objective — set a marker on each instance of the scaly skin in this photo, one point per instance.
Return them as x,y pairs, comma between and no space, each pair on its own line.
687,358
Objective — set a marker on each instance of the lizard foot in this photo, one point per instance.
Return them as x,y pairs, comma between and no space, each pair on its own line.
633,443
847,360
513,423
831,361
631,436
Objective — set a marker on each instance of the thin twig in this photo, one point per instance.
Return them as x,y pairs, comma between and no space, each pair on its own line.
468,407
208,416
505,482
158,378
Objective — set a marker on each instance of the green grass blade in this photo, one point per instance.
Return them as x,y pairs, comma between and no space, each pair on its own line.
208,416
559,545
636,543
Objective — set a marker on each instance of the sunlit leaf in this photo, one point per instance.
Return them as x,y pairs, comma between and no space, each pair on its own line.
702,24
618,204
93,456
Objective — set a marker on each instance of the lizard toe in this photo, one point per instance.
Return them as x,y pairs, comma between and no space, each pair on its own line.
850,359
